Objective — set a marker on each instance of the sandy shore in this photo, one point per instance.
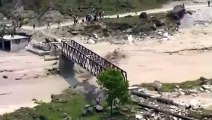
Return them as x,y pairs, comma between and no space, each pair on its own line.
33,83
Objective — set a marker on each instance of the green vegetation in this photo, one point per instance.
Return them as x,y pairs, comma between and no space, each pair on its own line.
116,87
83,6
72,106
170,87
69,104
109,6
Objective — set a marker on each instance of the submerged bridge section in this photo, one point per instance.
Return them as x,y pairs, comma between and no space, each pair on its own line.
72,52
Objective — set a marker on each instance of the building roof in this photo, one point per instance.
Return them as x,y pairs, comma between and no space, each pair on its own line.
15,37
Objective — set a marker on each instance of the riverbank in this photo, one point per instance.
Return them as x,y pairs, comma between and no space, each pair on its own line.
23,77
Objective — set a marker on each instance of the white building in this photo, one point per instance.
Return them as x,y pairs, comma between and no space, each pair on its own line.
14,43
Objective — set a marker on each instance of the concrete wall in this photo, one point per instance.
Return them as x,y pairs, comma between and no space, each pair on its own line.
54,51
66,66
20,45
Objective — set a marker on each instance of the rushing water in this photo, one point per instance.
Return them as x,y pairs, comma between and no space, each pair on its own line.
203,16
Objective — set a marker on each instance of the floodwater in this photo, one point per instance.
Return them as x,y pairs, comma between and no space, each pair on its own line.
199,17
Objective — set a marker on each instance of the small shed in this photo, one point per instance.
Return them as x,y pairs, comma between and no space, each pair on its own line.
14,43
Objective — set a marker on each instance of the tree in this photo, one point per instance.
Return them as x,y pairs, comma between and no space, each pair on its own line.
2,30
115,86
1,3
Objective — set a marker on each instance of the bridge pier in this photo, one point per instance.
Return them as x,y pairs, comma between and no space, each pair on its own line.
55,50
66,66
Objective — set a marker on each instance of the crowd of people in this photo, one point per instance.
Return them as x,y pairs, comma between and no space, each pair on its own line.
95,15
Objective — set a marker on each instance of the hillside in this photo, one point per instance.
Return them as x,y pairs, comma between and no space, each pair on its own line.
80,7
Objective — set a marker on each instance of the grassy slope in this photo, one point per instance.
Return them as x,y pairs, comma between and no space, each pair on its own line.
110,6
73,108
56,111
169,87
53,111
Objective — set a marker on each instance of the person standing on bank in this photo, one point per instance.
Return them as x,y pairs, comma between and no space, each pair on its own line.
58,22
33,26
48,24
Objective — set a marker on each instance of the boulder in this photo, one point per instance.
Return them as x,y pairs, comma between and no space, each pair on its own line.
84,113
207,87
142,90
68,118
130,39
139,117
178,12
166,34
1,16
42,46
18,78
26,21
52,15
95,36
74,32
91,41
124,109
157,85
5,77
87,106
143,15
153,27
203,80
58,98
158,23
90,110
99,108
133,88
193,104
